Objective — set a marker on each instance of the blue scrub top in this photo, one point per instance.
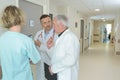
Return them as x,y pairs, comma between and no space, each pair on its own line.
16,51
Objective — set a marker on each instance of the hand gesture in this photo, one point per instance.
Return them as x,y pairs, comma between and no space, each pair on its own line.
50,42
37,43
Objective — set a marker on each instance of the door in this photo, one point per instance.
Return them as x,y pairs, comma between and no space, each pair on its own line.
33,13
82,35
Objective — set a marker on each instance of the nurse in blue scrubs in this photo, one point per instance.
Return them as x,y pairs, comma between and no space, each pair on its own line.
16,49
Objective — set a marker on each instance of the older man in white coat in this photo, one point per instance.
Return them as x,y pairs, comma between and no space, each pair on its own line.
66,50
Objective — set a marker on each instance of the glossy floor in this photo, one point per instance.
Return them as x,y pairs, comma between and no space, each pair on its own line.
99,62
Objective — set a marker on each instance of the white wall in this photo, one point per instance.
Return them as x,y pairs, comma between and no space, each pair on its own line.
91,31
53,9
4,3
74,17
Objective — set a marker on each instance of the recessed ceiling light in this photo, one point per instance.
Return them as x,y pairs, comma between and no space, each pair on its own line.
97,9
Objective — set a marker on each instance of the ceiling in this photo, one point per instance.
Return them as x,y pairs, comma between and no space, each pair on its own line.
108,8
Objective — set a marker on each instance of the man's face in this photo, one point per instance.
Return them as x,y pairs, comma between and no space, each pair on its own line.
46,23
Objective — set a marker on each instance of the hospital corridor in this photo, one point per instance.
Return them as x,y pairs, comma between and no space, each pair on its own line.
99,62
95,25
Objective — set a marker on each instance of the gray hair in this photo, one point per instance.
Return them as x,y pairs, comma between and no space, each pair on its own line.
63,19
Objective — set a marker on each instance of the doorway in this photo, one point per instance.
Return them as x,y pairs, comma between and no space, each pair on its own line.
82,35
107,33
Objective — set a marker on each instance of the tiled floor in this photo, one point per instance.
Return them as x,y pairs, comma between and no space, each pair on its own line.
100,63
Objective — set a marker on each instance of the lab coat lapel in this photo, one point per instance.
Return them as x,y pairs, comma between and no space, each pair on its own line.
60,38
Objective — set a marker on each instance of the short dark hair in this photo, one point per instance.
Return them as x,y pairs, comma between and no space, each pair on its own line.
44,16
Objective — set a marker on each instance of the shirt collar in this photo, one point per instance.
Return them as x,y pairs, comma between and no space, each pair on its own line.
62,32
51,30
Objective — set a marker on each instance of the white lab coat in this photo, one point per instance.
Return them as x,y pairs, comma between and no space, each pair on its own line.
40,35
65,57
